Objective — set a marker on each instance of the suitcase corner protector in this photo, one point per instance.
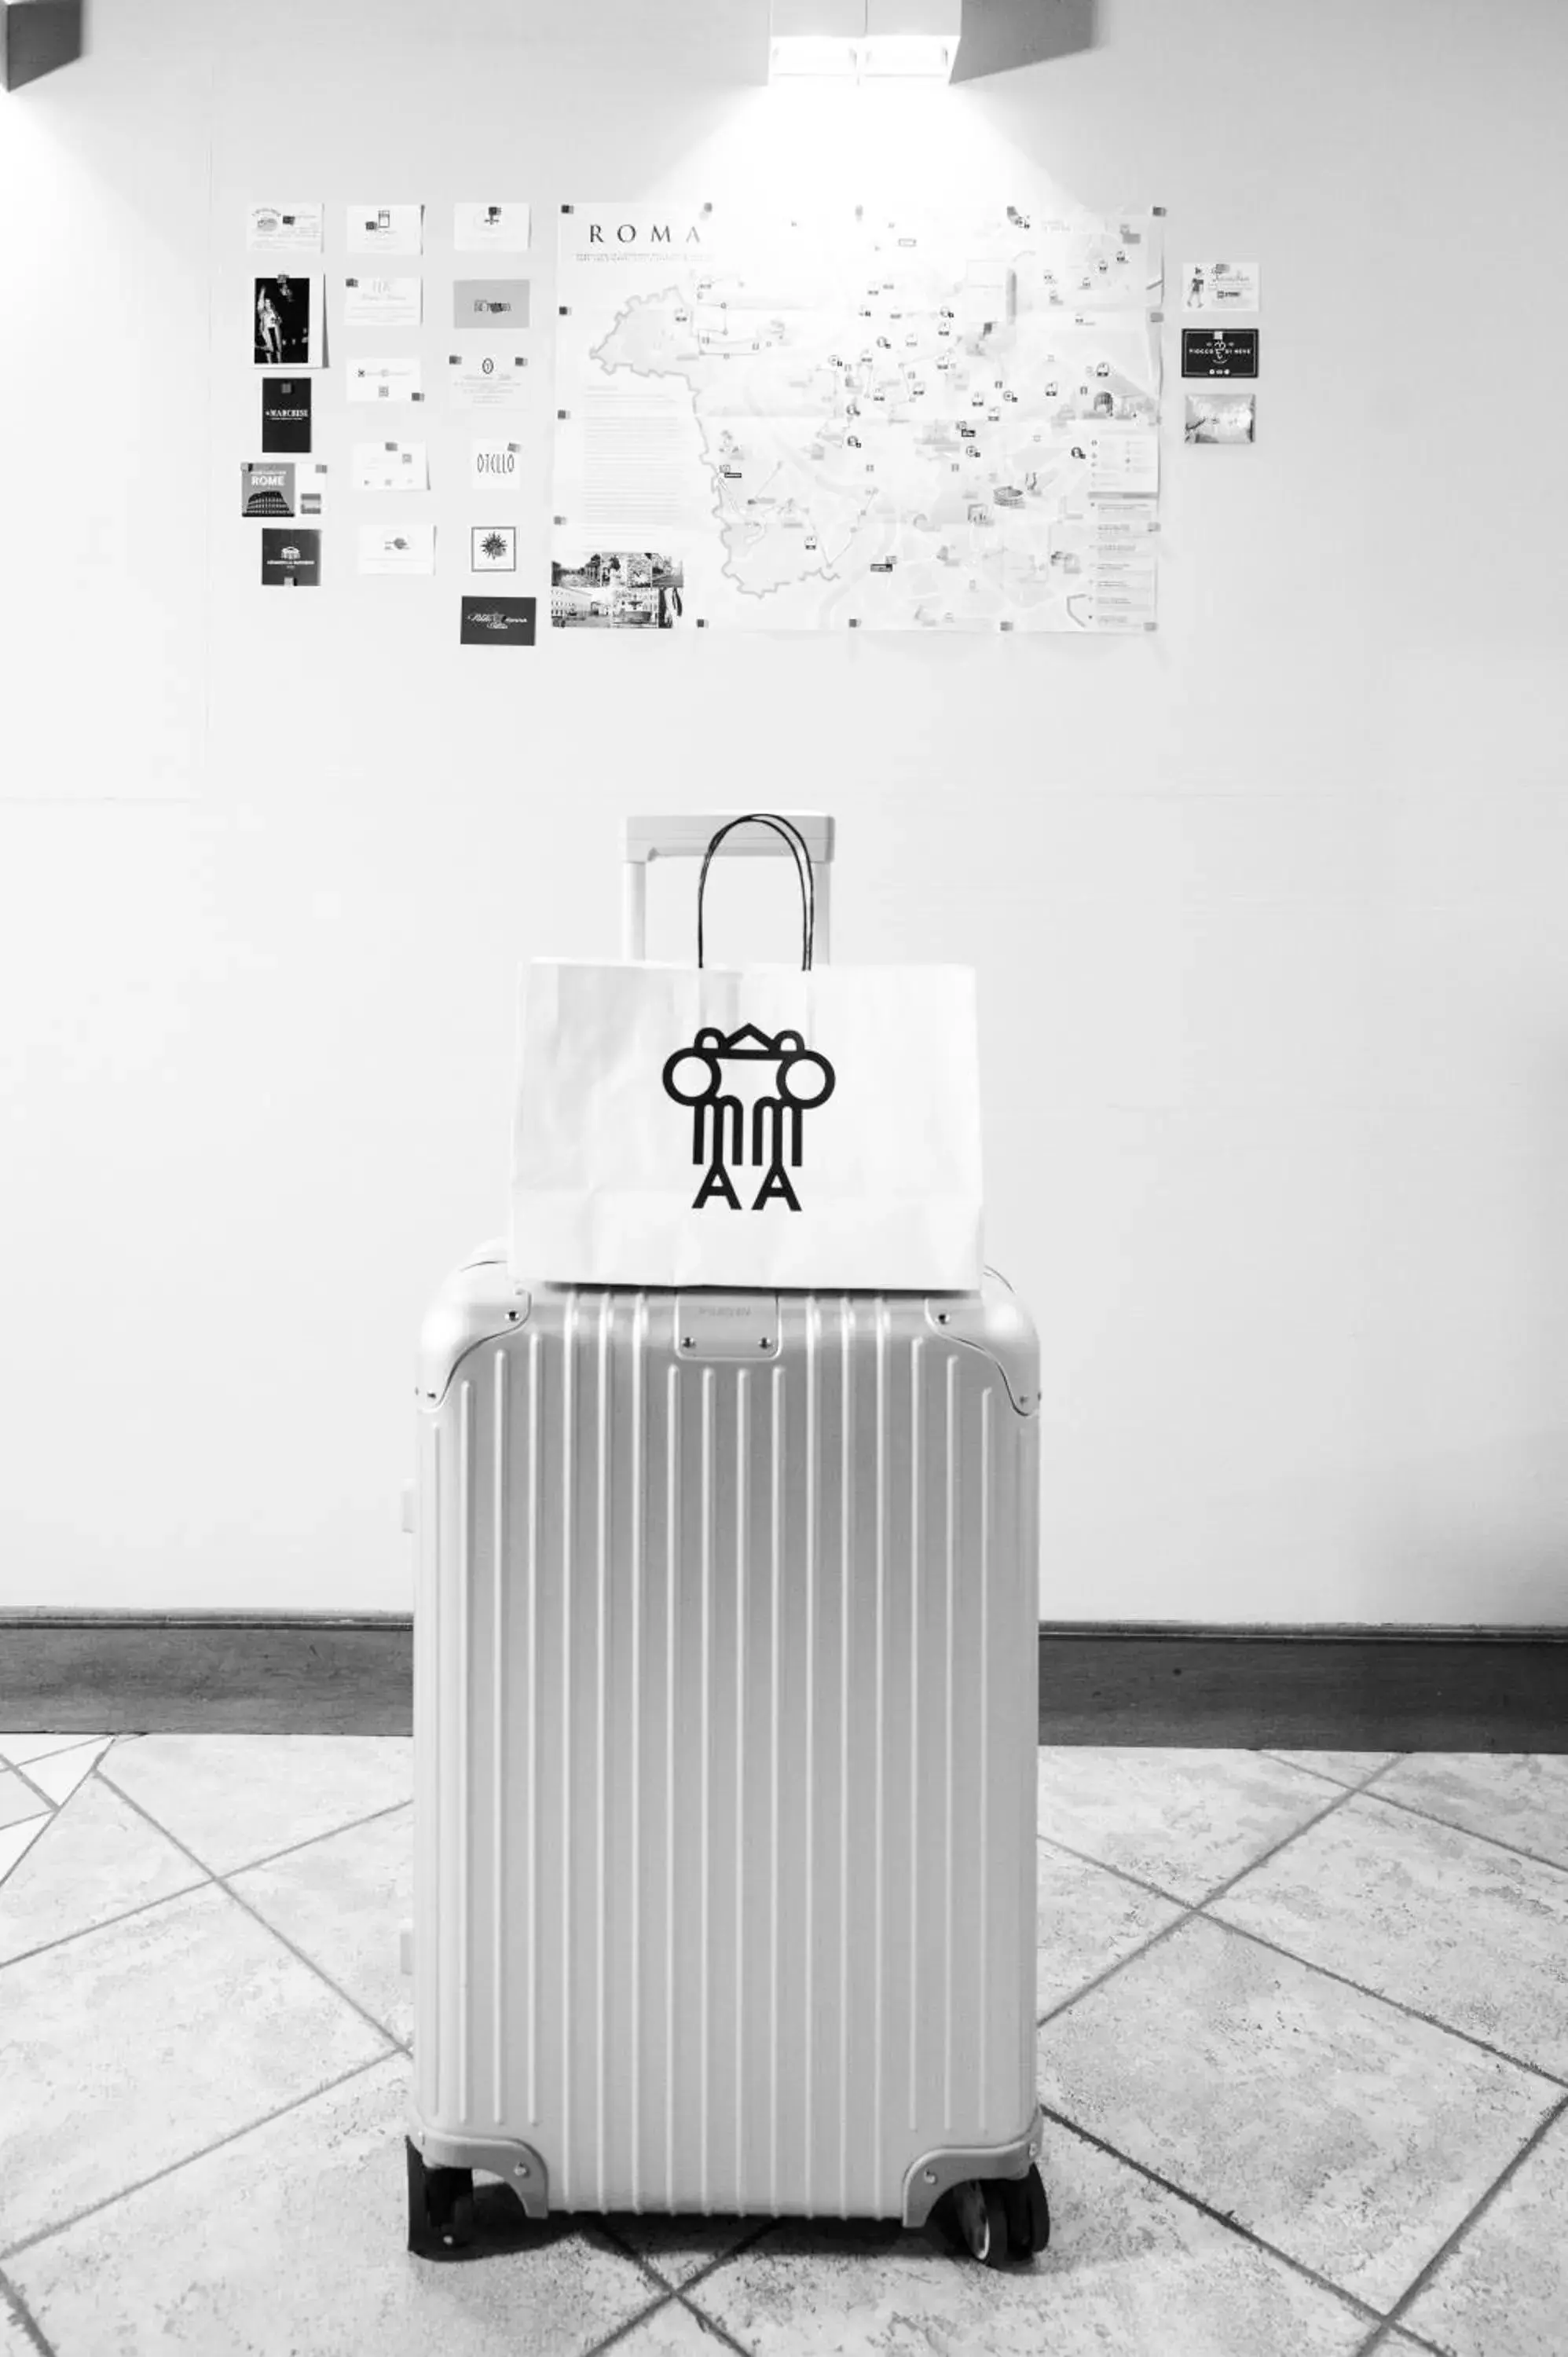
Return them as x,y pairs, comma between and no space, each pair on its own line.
515,2163
935,2173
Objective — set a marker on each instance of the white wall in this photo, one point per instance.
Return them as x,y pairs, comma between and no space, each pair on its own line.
1267,909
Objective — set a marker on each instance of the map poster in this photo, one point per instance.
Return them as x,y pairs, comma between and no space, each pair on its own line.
849,423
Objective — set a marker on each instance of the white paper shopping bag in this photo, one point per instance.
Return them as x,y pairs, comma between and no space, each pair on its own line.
751,1125
748,1126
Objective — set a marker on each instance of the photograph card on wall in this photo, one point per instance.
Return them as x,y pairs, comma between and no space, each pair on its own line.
490,229
285,412
291,559
1221,418
288,322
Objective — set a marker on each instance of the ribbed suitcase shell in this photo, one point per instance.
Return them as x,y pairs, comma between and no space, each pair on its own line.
725,1729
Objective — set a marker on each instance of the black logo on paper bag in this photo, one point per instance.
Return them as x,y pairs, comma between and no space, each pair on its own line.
721,1131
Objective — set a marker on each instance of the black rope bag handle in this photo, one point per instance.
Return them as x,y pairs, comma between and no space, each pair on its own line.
807,880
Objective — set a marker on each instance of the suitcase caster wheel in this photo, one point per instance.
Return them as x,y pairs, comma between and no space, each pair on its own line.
982,2219
440,2206
1028,2214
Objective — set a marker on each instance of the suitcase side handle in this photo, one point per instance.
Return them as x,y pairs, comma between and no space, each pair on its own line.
687,836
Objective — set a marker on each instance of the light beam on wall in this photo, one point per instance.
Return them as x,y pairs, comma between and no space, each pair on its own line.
36,35
925,40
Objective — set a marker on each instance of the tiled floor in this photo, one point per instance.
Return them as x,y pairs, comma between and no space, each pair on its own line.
1303,2051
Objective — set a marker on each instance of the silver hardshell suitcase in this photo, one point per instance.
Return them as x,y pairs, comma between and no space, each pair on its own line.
725,1741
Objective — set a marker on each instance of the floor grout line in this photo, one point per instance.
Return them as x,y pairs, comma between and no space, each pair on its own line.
1364,1988
257,1917
1122,1873
1418,2284
124,2192
1220,2217
208,1873
630,2324
710,2323
1355,1783
1514,1849
1191,1908
32,2330
700,2275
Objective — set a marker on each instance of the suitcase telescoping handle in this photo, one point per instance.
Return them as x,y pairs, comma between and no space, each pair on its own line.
689,837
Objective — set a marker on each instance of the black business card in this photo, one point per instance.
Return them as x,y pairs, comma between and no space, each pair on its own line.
499,621
285,412
1219,351
291,560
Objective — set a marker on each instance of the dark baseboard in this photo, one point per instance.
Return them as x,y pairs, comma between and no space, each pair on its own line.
214,1673
1354,1689
1304,1689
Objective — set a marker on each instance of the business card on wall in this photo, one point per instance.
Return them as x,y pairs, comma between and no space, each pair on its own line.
384,229
489,228
285,412
1219,286
391,467
393,378
291,559
283,229
1219,351
494,466
397,548
498,621
496,305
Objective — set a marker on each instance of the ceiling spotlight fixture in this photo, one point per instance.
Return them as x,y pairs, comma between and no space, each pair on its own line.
36,35
863,40
923,40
